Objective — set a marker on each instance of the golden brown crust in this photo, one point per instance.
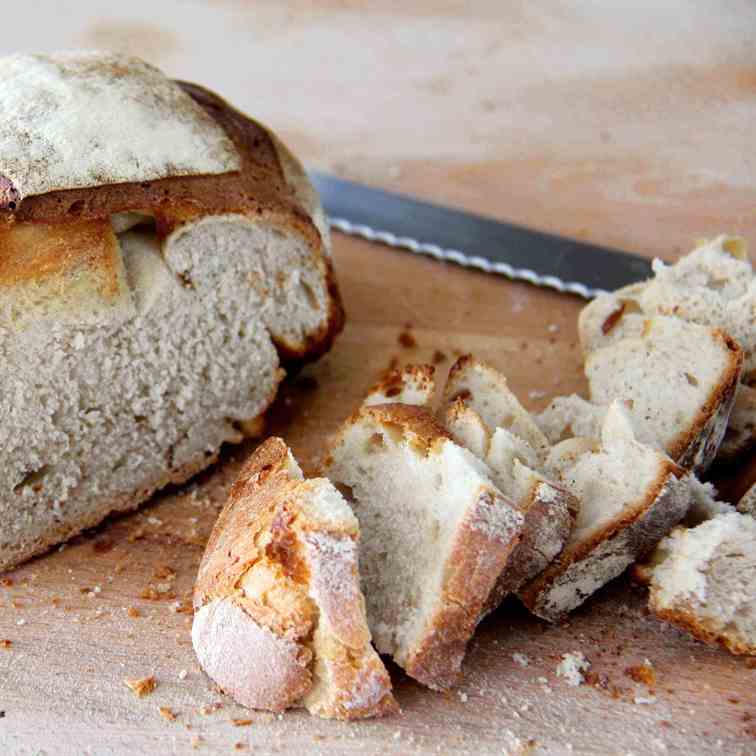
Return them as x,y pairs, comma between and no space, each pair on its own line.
394,381
407,417
41,251
259,191
709,424
699,629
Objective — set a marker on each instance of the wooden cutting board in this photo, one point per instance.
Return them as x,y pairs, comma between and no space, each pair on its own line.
627,127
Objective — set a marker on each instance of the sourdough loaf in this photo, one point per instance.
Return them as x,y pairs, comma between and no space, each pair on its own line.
163,258
279,617
436,534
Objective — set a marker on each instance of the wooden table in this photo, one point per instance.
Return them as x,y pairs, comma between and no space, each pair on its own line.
631,128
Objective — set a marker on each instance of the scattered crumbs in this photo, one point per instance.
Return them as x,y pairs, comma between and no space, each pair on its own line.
196,741
132,611
97,589
241,722
640,700
152,520
164,572
525,707
438,357
167,713
572,667
553,328
642,673
407,340
21,622
6,643
142,686
536,394
210,708
520,659
240,746
542,680
182,675
6,582
462,696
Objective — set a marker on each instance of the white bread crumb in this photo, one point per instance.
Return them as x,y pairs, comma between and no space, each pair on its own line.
572,667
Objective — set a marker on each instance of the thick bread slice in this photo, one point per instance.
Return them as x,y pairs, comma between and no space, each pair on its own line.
280,619
549,509
82,119
143,325
679,379
413,384
630,497
436,534
485,389
714,286
704,581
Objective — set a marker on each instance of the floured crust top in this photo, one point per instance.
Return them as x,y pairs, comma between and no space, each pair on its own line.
87,118
270,186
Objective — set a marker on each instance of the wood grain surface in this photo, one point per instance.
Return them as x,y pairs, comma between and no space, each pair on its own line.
628,127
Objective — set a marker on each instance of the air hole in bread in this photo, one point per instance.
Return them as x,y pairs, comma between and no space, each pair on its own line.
346,491
33,479
375,442
76,208
310,295
692,380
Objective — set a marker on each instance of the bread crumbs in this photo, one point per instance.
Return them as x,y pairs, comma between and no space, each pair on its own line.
572,668
167,713
142,686
241,722
196,741
407,340
642,673
6,643
132,611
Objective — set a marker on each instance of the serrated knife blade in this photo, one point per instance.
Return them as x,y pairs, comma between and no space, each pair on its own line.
493,246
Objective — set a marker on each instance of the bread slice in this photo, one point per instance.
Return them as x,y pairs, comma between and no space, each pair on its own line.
548,508
436,534
679,380
713,286
630,496
704,581
279,617
145,323
485,390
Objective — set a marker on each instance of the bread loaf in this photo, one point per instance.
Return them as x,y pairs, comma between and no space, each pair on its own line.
163,258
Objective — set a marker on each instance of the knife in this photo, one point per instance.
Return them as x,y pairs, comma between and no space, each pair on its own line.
519,253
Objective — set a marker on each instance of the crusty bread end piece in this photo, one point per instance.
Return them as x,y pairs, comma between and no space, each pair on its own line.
436,534
413,384
704,578
630,497
280,619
